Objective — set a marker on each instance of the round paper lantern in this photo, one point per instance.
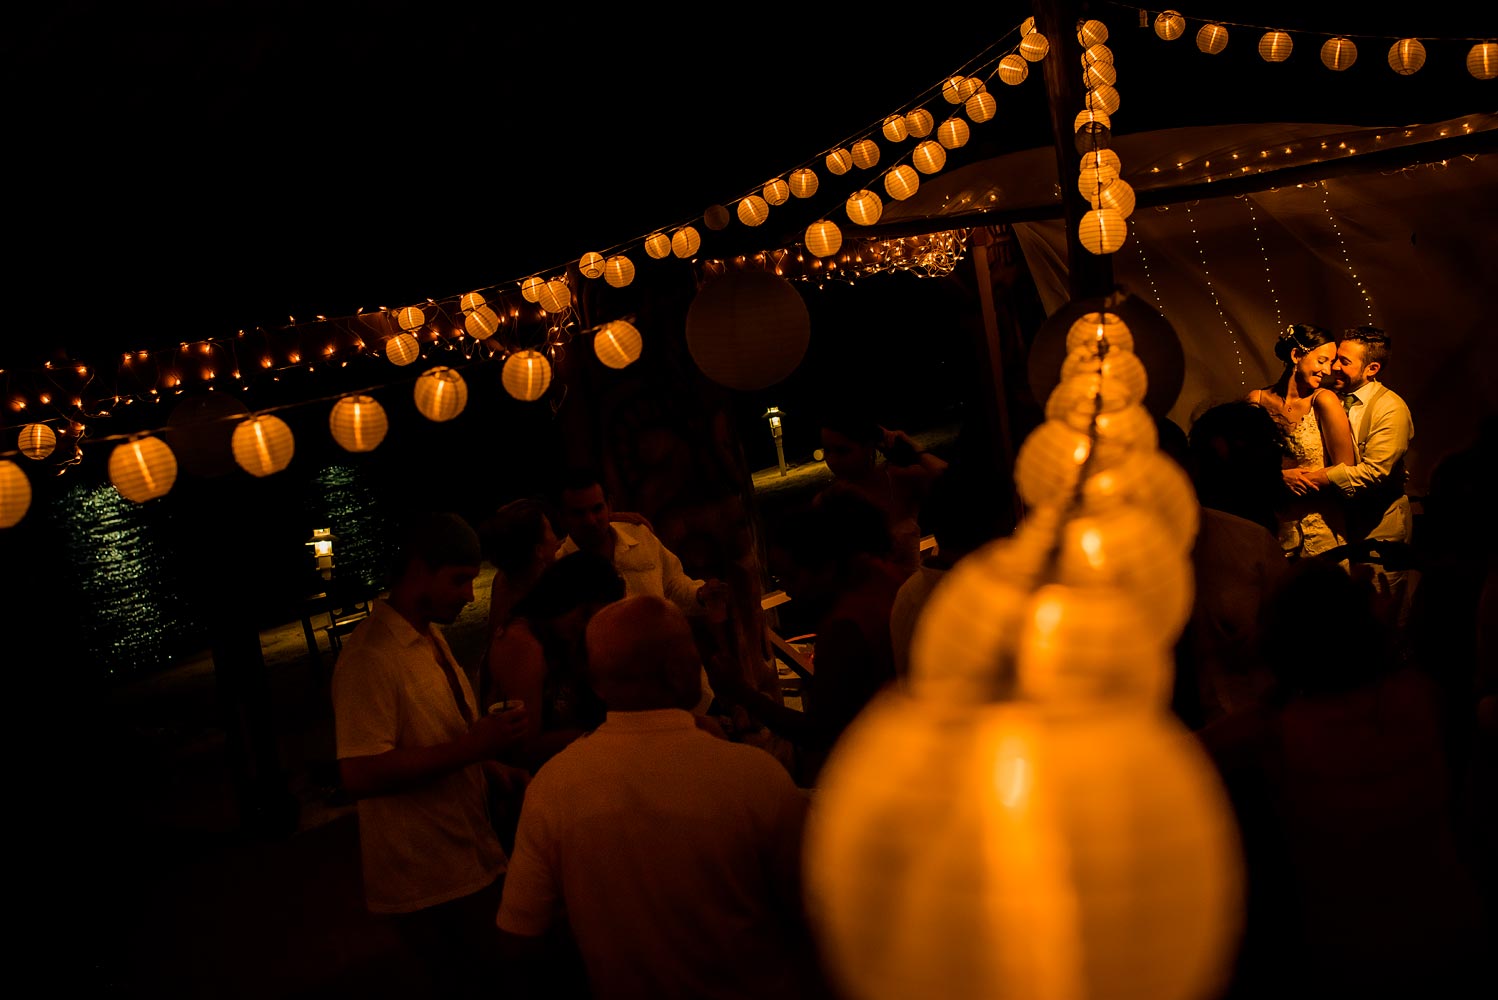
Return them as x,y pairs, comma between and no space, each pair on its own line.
555,296
1034,46
470,302
902,182
402,349
36,441
1338,53
865,154
1275,46
358,423
1091,181
753,210
482,323
1097,74
803,182
951,90
1092,32
929,157
981,107
526,375
776,192
748,330
1026,26
1157,348
1080,644
864,208
1078,399
1123,365
715,217
441,393
1482,60
263,445
1092,136
1095,54
143,468
685,242
1102,158
15,493
969,852
617,344
1093,328
1013,69
1170,25
823,238
1151,481
952,133
1102,230
919,123
1406,56
970,85
1049,463
530,288
894,128
839,161
412,319
658,246
1212,38
1103,98
1090,116
619,271
591,265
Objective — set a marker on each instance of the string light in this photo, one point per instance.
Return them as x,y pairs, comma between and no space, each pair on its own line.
1326,203
1279,323
1234,336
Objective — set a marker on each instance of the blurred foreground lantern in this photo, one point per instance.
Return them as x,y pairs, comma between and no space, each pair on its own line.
1095,328
685,242
143,468
1275,46
321,544
402,349
1170,25
15,493
358,423
1102,230
263,445
1482,60
36,441
441,393
526,375
617,344
1338,53
823,238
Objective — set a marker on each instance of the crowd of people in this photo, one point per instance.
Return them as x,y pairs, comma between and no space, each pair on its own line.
591,809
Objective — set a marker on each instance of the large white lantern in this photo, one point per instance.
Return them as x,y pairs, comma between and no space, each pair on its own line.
526,375
441,393
262,445
358,423
15,493
142,468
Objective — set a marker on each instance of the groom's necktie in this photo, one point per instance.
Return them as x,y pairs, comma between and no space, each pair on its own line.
1348,402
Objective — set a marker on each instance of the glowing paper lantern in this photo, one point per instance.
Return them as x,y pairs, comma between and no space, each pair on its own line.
894,128
591,265
1103,98
526,375
929,157
554,296
263,445
981,107
823,238
1275,46
753,210
839,161
803,182
1079,645
142,468
1105,158
412,319
1124,366
952,133
776,192
1095,54
919,123
617,344
36,441
1406,56
1034,46
482,323
864,207
715,217
1091,116
619,270
1102,230
865,154
1096,327
441,393
1097,74
1338,53
951,90
402,349
1212,38
748,330
470,302
1026,26
530,288
969,852
1118,196
902,182
15,493
1092,32
1013,69
1091,181
685,242
1170,25
1482,60
658,246
1154,482
358,423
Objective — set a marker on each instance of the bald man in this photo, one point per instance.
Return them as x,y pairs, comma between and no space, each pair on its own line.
674,854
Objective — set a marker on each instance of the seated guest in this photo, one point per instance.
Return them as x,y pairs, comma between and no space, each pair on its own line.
673,855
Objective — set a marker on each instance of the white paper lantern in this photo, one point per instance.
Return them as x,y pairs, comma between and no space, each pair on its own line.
1124,366
1097,74
1106,158
36,441
839,161
1482,60
1212,38
526,375
482,323
441,393
1406,56
753,210
617,344
1118,196
865,154
1084,644
1338,53
358,423
685,242
263,445
1092,328
1102,230
1090,116
470,302
951,90
658,246
1034,46
411,319
864,207
929,157
402,349
776,192
1103,98
952,133
894,128
1013,69
1170,25
804,182
1095,54
902,182
554,296
591,265
1091,181
15,493
823,238
1276,46
919,123
1154,482
530,288
619,270
1026,26
1092,32
142,468
981,107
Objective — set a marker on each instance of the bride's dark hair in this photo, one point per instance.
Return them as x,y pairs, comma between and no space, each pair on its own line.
1297,337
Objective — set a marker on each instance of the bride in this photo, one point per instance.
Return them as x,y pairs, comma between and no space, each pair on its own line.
1317,435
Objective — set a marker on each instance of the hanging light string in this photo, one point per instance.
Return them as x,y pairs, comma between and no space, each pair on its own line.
1233,336
1279,323
1326,204
1299,31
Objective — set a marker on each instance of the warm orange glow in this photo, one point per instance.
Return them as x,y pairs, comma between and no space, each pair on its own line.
358,423
142,468
15,493
440,393
617,344
526,375
262,445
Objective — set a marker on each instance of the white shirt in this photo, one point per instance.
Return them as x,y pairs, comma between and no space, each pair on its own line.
648,567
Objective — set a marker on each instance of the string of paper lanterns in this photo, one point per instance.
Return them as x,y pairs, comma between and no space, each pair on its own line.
1102,228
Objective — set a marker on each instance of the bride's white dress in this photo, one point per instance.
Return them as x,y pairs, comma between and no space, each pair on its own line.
1312,524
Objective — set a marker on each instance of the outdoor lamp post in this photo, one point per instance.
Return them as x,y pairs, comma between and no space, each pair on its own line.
322,550
773,414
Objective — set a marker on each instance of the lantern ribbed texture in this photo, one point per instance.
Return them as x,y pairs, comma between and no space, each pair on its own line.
981,107
1034,46
839,161
554,296
1275,46
482,323
1124,366
902,182
36,441
1406,56
441,393
776,192
358,423
263,445
1098,74
919,123
402,349
865,154
411,319
1338,53
617,344
530,288
1091,181
591,265
1102,158
1093,327
1091,115
658,246
1013,69
1080,644
1103,98
864,207
1170,25
753,210
470,301
1482,60
142,468
952,133
1151,481
1118,196
526,375
685,242
803,182
1103,230
1212,39
929,157
1095,54
951,90
619,271
1092,32
15,493
894,128
823,238
715,217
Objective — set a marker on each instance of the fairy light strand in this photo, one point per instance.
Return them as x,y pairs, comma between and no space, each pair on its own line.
1326,203
1227,324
